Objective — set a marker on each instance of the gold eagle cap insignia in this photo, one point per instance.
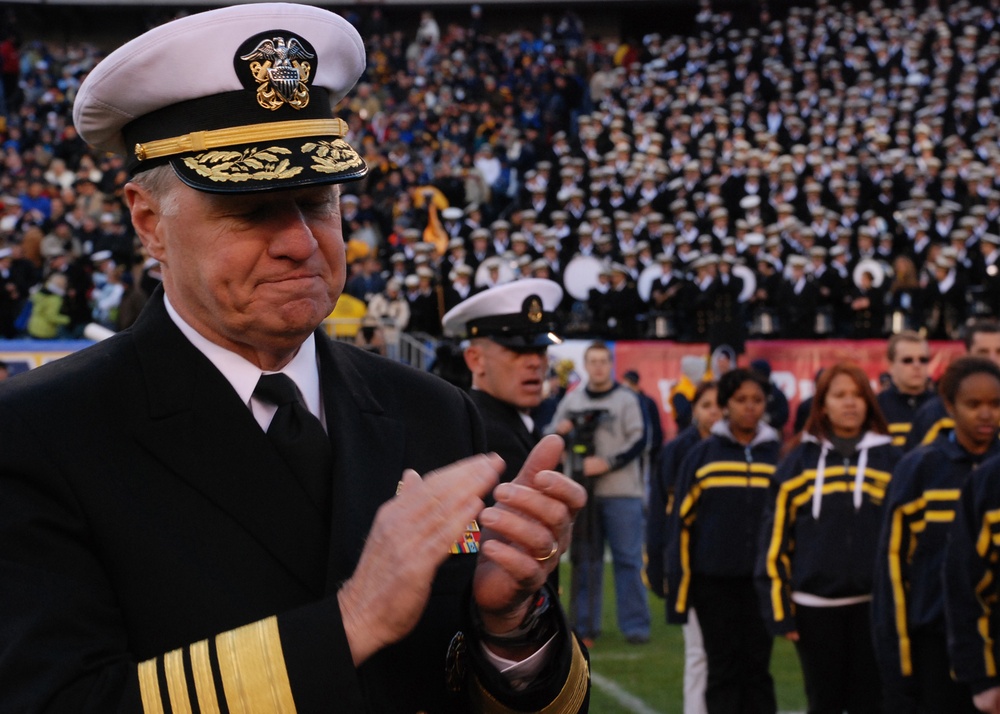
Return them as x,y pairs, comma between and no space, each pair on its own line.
534,311
281,71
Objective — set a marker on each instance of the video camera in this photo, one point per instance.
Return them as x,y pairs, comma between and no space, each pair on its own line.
585,423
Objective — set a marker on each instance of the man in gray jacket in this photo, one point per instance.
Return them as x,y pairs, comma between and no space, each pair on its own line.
603,425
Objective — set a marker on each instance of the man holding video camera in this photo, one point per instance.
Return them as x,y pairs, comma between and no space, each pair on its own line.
602,423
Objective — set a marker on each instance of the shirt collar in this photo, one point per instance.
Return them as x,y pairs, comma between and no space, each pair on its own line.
243,375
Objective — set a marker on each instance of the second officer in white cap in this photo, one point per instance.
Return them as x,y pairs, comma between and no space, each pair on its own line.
509,329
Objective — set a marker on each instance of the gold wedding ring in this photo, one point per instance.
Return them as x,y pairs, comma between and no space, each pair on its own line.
555,549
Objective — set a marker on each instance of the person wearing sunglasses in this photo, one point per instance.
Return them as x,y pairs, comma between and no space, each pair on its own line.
982,339
909,359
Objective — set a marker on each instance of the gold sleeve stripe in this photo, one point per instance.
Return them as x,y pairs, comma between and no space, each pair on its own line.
204,682
989,663
774,553
899,587
900,428
990,518
932,433
568,701
149,688
173,667
253,669
685,584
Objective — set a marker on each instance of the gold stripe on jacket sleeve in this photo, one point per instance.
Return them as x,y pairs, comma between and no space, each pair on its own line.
204,682
774,551
938,426
177,686
898,552
568,701
680,603
253,669
149,688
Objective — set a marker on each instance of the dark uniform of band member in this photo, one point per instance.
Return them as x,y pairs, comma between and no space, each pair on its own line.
174,553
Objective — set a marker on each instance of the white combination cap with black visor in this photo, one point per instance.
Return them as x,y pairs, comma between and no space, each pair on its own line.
236,100
520,315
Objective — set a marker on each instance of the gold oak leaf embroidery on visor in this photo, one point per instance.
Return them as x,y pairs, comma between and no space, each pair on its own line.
332,157
247,165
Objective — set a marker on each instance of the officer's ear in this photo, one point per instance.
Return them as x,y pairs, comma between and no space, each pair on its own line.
146,212
473,355
475,358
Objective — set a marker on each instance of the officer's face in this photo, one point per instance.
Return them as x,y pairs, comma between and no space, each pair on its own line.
255,273
515,377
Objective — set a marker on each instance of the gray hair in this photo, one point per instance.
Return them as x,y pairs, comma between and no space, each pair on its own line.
162,183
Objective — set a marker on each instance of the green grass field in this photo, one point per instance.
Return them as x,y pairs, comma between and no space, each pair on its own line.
654,673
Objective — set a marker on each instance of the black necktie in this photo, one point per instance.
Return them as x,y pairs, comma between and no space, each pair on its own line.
299,438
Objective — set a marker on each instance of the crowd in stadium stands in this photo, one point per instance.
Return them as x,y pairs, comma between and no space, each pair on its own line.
822,171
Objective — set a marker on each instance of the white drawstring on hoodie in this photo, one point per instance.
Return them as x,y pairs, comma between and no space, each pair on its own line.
859,477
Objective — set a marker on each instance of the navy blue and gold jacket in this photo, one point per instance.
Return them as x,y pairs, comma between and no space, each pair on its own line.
970,577
661,503
899,410
818,539
720,496
930,422
920,510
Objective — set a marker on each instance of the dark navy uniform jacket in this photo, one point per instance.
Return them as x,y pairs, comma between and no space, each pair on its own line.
719,500
919,515
155,554
971,578
661,503
822,525
899,410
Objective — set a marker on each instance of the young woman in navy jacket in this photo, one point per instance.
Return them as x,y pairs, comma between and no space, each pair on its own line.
713,531
817,551
909,613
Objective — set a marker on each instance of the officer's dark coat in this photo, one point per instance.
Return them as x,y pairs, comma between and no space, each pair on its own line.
142,510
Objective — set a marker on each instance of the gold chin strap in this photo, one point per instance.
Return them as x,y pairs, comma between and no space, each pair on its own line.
213,139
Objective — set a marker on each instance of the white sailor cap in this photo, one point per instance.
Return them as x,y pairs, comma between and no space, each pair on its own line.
235,100
518,315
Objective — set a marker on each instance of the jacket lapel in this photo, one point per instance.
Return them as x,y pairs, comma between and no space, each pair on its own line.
197,427
367,452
